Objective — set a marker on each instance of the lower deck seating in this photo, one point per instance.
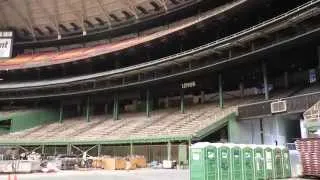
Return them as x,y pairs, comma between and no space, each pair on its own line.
169,122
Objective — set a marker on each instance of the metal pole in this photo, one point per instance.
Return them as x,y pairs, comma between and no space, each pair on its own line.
88,110
99,150
221,103
182,101
265,81
61,113
116,106
148,103
169,150
131,149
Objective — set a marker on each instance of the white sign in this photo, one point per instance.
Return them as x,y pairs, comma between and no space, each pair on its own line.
5,47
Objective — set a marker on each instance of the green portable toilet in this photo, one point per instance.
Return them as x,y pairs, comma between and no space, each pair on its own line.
224,162
247,162
236,163
197,161
286,162
212,162
269,166
277,160
259,162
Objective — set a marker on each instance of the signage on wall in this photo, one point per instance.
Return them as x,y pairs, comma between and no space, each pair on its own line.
312,76
6,42
188,85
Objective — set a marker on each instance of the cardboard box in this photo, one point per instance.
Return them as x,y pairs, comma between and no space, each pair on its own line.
113,164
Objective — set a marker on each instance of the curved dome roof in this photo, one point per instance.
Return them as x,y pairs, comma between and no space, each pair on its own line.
38,18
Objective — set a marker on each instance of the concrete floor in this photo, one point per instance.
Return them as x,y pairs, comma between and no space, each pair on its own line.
140,174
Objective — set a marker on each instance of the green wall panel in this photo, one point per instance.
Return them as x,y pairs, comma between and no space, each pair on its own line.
30,118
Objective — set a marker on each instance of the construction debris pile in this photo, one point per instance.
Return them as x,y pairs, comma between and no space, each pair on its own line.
309,149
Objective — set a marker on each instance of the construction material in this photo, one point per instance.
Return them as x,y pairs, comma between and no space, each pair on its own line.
310,156
113,163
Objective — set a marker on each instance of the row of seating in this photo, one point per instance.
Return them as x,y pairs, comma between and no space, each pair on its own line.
49,58
165,122
168,122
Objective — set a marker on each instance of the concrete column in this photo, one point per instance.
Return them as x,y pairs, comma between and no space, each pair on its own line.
241,88
169,150
116,107
182,101
265,81
202,97
61,113
88,107
221,103
148,103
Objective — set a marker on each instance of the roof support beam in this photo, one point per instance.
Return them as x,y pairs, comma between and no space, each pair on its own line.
163,4
130,4
76,13
105,12
25,18
50,17
4,20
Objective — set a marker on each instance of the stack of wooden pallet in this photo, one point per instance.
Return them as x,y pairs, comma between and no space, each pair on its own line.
310,156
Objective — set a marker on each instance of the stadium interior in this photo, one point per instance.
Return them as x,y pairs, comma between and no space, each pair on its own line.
151,77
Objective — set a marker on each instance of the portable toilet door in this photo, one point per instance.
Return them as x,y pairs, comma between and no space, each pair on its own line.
286,163
259,163
248,166
277,159
269,166
224,162
212,162
236,162
197,161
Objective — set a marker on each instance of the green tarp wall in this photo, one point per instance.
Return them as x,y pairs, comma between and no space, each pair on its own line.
26,119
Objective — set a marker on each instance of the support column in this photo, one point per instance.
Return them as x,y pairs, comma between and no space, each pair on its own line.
131,149
99,150
286,80
116,106
182,101
202,97
265,81
241,88
148,103
61,112
69,151
42,149
88,109
169,150
221,103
